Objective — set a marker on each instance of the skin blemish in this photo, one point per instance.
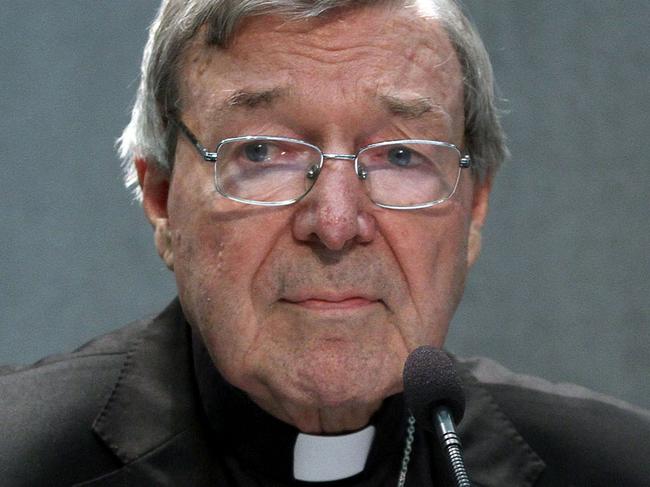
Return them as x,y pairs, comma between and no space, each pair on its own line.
220,257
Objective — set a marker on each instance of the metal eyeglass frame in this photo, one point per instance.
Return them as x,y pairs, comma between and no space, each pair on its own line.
465,162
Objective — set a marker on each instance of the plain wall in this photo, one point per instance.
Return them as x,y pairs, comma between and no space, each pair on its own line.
560,291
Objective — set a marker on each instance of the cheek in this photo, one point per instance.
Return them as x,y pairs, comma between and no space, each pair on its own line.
432,251
212,263
218,249
206,251
213,286
199,247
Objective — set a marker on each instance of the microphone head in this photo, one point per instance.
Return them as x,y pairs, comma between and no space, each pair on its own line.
430,381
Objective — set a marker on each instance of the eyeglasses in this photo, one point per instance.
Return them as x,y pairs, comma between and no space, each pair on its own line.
277,171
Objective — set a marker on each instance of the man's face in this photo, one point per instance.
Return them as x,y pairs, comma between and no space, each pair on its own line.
312,308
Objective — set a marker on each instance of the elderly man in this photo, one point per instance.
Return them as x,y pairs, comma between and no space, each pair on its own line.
317,175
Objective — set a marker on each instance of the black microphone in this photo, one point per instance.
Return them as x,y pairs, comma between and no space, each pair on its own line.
435,397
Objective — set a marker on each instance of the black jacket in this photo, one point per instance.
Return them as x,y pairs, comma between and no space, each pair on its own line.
125,410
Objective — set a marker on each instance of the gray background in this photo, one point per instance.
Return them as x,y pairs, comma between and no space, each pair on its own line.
561,289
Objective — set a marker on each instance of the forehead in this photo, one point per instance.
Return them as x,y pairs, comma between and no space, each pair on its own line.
365,54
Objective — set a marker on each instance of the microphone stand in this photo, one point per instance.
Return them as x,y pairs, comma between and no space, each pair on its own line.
450,441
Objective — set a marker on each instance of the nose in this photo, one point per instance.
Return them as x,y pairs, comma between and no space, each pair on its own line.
335,212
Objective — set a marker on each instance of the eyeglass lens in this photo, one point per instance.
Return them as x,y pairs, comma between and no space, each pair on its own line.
400,174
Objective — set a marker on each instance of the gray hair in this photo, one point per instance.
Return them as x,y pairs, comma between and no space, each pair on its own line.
149,136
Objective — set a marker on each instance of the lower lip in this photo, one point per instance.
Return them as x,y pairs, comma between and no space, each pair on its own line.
346,304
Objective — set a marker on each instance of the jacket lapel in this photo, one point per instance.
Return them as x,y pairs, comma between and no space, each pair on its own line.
495,453
153,400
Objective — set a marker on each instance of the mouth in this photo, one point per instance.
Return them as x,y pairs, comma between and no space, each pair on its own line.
343,304
332,302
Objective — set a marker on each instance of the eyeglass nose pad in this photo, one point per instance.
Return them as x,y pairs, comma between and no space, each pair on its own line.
361,172
313,172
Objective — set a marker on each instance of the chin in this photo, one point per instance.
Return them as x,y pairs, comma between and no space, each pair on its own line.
336,395
334,382
323,393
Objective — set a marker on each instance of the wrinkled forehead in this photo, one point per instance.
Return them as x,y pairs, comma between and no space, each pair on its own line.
342,31
379,51
222,21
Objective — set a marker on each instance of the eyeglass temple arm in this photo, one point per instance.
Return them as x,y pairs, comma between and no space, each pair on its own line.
206,154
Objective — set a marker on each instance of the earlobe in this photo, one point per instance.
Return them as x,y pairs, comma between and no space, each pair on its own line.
163,240
154,183
479,214
473,243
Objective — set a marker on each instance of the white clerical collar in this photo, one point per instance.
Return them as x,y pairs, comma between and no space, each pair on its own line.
326,458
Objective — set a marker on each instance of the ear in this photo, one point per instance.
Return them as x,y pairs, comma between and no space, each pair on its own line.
154,183
480,205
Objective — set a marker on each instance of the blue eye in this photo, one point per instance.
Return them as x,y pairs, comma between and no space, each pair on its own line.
256,152
400,156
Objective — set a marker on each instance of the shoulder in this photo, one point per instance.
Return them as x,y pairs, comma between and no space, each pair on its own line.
47,410
596,438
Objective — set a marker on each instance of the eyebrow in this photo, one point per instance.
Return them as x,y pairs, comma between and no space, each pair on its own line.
253,99
408,108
